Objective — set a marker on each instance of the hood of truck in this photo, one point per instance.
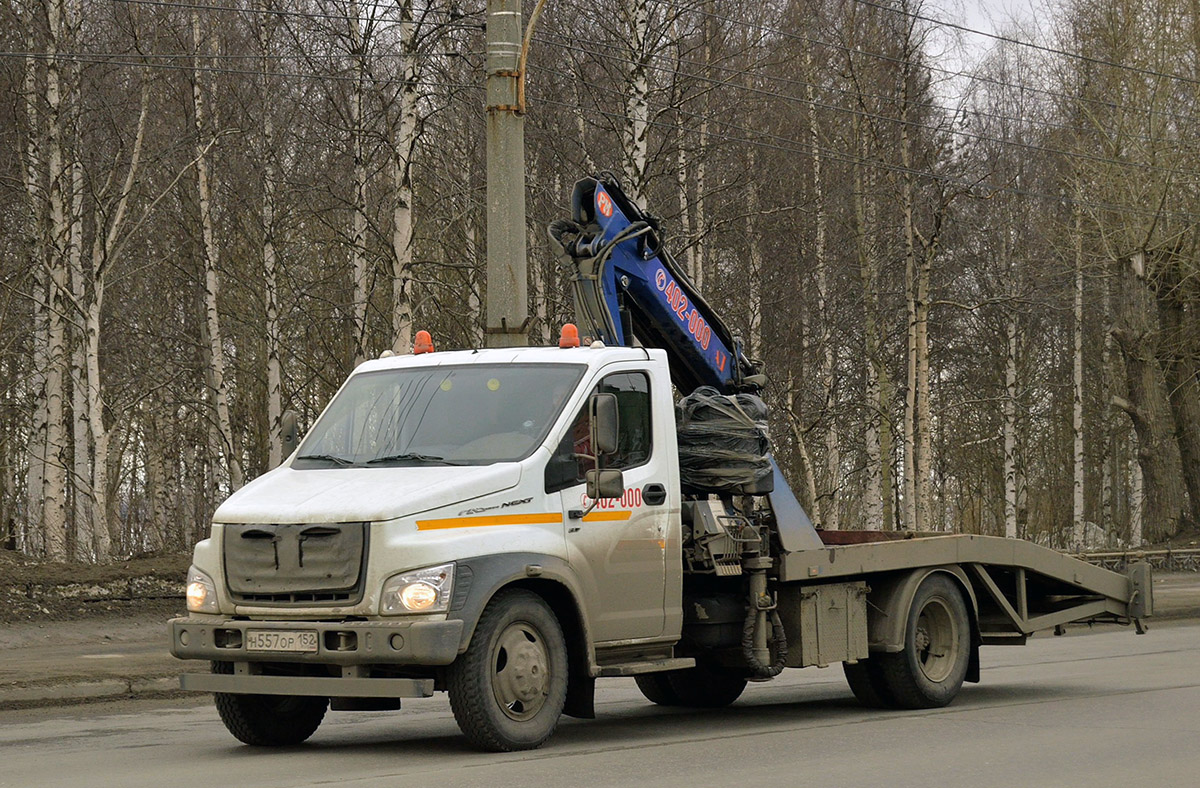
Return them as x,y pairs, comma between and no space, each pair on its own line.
342,495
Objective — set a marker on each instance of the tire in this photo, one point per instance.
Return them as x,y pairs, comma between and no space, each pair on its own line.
657,688
929,671
508,688
704,687
268,720
866,682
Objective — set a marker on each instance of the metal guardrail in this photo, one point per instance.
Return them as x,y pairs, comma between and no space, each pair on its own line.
1185,560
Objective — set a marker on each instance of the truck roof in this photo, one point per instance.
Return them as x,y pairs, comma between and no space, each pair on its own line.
592,356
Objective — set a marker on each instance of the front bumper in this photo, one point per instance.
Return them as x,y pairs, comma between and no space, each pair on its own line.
345,643
318,686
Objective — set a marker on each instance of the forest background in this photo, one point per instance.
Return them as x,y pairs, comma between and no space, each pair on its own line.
974,288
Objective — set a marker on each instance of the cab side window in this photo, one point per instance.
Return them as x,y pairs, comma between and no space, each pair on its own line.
570,462
632,390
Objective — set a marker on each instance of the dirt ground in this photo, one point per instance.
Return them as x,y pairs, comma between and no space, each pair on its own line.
15,569
139,587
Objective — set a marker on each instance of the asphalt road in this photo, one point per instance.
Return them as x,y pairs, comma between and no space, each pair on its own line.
1106,708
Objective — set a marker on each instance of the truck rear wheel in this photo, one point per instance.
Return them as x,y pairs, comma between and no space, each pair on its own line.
867,683
657,688
268,720
929,671
701,687
508,689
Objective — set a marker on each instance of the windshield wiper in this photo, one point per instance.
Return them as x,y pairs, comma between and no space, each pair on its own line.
327,457
413,457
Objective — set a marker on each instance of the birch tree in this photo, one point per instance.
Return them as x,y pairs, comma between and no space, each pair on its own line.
215,351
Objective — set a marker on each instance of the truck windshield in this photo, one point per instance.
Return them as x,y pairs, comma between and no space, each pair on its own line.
469,415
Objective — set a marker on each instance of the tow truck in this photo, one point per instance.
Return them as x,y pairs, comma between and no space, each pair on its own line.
510,525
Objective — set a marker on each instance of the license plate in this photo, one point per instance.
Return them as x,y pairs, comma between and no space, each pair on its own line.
300,642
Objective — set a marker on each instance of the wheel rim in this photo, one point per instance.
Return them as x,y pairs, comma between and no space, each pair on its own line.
520,671
936,640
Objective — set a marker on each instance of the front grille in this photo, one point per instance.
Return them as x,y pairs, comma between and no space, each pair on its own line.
302,598
295,564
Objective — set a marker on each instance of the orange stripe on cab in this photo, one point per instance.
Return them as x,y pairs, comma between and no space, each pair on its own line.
601,517
541,518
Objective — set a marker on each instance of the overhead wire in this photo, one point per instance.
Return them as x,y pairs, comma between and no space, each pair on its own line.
782,143
288,13
805,149
1018,42
829,153
106,60
764,28
869,115
773,78
935,69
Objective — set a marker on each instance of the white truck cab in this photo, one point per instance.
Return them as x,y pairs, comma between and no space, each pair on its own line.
429,484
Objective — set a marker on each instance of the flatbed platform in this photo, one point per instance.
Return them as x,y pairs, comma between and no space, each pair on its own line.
1021,587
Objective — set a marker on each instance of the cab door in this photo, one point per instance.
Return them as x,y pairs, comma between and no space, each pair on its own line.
618,549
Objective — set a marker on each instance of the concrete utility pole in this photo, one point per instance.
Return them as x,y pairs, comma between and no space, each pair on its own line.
507,279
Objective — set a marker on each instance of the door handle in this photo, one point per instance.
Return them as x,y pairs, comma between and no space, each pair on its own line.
654,494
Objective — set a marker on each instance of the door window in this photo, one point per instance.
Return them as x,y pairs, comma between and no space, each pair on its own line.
572,458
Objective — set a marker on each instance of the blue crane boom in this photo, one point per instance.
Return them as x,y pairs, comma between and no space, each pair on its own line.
627,285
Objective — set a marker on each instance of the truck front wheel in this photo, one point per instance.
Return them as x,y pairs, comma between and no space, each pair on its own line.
930,669
268,720
508,688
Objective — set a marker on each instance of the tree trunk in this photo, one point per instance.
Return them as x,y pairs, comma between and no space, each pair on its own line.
358,230
1112,462
1137,501
100,438
830,515
404,147
216,350
685,204
54,523
924,433
810,478
637,102
912,520
700,212
81,436
1077,499
868,268
1010,424
1135,330
104,249
30,539
475,298
755,260
155,478
269,258
683,162
1178,358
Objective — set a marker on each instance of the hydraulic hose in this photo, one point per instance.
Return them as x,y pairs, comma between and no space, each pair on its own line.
778,640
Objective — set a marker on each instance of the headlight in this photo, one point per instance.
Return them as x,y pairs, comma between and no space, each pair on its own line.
420,591
201,592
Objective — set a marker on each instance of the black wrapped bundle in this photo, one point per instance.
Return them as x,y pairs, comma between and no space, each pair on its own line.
723,442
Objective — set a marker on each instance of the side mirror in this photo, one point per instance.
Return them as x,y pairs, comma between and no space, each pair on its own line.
603,423
605,483
288,432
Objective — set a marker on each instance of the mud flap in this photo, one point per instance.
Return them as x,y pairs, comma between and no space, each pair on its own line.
581,694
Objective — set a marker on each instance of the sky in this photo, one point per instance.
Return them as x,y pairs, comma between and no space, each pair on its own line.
958,50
